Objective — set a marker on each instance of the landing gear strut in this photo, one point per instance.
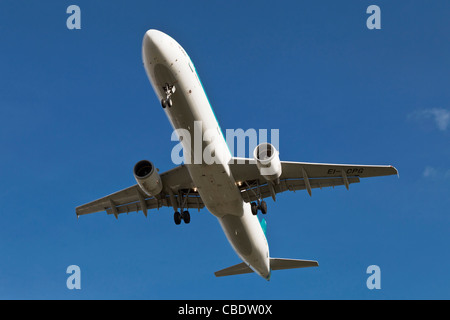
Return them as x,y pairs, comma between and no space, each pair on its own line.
169,91
260,204
182,204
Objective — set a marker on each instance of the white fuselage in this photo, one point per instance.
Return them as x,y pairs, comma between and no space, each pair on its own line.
166,62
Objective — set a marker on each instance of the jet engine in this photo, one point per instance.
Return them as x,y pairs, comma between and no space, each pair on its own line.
268,161
147,177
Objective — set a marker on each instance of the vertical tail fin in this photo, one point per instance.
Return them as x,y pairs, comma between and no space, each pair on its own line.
263,224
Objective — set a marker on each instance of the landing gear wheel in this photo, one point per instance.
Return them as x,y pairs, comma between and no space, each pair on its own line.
177,218
254,207
166,103
263,207
186,217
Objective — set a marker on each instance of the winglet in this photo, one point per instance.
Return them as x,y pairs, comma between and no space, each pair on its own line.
398,174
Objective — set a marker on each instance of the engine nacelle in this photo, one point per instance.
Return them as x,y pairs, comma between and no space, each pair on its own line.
147,177
268,161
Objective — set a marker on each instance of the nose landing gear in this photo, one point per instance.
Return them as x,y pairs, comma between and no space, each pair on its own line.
169,91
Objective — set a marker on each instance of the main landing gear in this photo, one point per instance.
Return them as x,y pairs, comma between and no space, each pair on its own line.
181,203
185,216
169,91
261,205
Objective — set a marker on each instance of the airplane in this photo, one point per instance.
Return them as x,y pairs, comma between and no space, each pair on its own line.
232,189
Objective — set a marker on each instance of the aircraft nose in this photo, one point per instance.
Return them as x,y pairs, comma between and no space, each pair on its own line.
154,35
152,44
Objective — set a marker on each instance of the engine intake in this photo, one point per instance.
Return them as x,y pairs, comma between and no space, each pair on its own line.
147,177
268,161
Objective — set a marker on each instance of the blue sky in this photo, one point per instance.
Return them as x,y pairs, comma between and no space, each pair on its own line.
77,112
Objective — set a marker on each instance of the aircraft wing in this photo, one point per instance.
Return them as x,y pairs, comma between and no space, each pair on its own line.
300,176
178,191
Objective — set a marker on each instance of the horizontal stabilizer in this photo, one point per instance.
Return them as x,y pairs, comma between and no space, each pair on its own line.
275,264
240,268
281,264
